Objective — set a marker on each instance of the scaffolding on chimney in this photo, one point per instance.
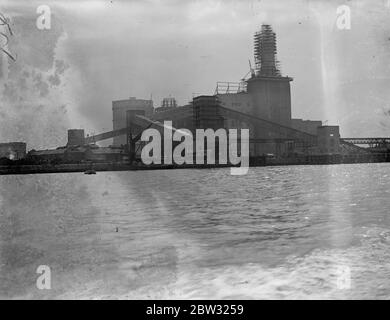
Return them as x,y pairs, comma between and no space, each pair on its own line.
265,53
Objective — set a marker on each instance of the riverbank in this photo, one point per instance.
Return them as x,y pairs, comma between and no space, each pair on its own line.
60,168
254,162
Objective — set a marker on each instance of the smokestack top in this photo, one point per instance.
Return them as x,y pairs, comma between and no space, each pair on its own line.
265,52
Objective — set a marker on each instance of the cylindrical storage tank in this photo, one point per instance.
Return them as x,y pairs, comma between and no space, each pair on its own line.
76,137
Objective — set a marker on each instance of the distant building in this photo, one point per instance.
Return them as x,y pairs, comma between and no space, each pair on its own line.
77,155
260,103
241,102
13,150
329,140
43,156
308,126
206,113
167,104
271,99
104,155
76,137
119,109
181,117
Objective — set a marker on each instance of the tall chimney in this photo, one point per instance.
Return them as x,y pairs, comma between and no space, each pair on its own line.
265,52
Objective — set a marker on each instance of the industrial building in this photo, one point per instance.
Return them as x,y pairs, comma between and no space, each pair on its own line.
308,126
261,103
119,109
266,94
328,140
76,137
79,154
167,104
13,150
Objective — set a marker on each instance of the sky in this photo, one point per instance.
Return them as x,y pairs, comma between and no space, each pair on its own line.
99,51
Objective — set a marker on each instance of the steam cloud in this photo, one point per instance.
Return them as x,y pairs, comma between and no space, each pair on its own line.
32,100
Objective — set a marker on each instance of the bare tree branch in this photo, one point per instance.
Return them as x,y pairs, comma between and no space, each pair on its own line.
4,21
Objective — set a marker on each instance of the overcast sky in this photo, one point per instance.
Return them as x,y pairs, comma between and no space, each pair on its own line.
99,51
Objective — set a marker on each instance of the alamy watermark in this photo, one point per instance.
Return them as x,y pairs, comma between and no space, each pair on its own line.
229,141
343,21
44,19
44,280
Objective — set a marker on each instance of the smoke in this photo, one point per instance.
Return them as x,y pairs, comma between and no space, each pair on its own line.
33,102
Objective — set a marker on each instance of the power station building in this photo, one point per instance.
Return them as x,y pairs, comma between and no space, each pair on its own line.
264,97
260,103
119,109
267,93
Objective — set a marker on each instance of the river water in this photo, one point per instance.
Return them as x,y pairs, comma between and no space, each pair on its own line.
293,232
